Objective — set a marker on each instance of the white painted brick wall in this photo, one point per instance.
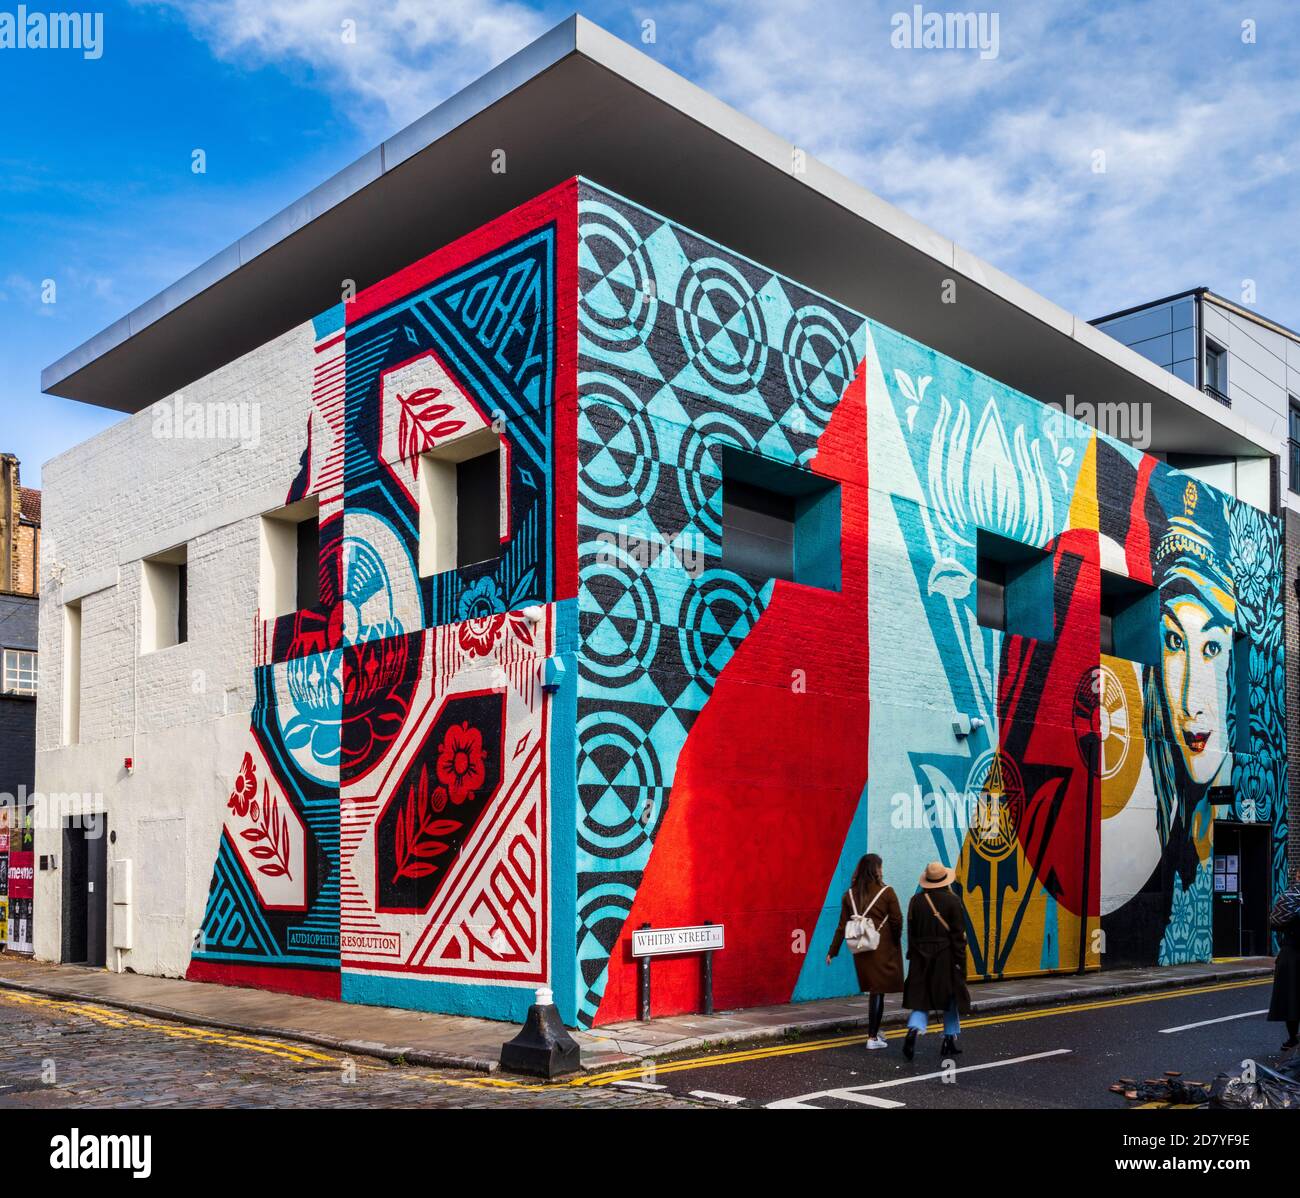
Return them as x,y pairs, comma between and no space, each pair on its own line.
182,713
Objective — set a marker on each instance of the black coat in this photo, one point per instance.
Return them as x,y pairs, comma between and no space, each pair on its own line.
936,958
1284,1006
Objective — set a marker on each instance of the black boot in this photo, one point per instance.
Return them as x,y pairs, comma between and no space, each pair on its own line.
909,1044
949,1047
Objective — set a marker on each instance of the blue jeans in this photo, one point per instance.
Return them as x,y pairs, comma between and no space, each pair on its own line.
951,1023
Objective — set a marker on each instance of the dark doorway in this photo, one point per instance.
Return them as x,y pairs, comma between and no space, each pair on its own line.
1242,889
85,891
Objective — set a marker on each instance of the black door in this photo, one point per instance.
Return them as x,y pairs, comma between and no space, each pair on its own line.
85,893
1242,889
1257,891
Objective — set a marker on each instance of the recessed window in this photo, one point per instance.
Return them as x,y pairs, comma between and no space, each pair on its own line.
1130,619
757,531
1013,587
71,673
290,559
1241,693
463,510
779,522
308,553
164,600
19,672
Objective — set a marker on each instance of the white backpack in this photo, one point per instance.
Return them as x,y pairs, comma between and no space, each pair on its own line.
860,934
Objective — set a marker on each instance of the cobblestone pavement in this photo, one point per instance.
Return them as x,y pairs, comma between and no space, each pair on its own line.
57,1053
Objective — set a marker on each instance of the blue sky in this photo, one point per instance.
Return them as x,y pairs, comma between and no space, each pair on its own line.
1200,131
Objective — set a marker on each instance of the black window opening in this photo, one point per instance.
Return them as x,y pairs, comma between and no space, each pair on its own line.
1014,586
308,565
478,509
991,594
779,522
1293,444
1241,693
1130,619
757,531
182,603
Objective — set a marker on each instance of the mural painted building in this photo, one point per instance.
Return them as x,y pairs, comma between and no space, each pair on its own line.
585,574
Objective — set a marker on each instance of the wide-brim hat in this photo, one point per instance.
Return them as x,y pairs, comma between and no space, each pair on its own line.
937,875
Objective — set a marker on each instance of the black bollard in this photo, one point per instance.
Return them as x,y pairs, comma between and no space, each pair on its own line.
543,1047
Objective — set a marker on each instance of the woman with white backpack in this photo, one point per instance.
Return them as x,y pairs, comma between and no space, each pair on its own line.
872,922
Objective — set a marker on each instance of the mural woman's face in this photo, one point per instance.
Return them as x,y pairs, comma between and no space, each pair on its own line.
1195,652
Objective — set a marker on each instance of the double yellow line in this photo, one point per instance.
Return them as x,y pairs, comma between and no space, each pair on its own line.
108,1017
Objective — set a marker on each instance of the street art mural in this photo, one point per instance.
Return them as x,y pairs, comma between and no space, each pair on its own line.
463,783
387,834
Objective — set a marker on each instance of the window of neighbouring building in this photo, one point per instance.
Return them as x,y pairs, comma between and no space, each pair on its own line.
164,600
779,521
20,672
462,503
1013,587
290,559
1216,370
1130,619
1293,443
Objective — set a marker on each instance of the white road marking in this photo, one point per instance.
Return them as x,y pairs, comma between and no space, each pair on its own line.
712,1097
1185,1027
640,1085
854,1093
867,1099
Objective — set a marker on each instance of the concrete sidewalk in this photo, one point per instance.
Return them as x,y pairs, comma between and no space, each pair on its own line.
461,1042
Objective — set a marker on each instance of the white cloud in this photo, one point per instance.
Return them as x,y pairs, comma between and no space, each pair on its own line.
1199,131
397,60
998,154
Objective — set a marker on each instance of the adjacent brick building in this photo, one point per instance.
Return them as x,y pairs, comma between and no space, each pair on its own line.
20,532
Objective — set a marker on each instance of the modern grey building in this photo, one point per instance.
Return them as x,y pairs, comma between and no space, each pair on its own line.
1240,359
1251,365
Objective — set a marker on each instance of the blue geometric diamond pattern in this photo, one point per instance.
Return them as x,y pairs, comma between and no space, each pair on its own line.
684,348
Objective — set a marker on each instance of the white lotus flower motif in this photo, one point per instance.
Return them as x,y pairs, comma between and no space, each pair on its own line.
989,481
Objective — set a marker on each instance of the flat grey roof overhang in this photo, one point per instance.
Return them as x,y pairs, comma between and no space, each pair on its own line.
580,102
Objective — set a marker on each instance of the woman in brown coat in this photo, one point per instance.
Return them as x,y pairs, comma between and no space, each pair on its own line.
880,971
936,955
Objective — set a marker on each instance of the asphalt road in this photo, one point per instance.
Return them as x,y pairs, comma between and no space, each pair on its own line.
57,1054
61,1053
1063,1056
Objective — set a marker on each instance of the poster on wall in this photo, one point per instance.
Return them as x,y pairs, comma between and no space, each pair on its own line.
21,878
4,922
19,937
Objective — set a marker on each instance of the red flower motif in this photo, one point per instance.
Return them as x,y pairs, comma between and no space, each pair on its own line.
478,634
245,787
462,763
